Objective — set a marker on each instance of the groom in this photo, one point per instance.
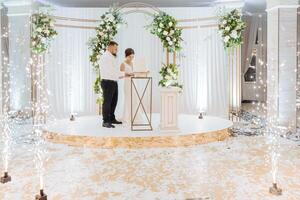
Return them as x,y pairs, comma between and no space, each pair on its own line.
110,75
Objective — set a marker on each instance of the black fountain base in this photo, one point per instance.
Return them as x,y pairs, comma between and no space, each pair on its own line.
41,196
6,178
275,190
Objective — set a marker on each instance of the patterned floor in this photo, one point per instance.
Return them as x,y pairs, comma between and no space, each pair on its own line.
235,169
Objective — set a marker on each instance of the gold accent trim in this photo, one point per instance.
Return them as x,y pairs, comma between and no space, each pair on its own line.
74,19
197,19
139,142
129,12
168,57
75,26
174,58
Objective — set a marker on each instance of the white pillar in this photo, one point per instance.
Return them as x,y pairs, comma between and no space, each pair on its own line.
19,13
282,62
1,65
169,109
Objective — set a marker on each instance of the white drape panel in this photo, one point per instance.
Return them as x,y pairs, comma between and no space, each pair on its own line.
203,72
217,83
193,71
257,25
253,22
69,74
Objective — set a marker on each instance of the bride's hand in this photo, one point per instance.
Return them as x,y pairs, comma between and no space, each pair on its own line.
129,75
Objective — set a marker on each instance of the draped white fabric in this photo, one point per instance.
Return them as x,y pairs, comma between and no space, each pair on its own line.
217,94
202,64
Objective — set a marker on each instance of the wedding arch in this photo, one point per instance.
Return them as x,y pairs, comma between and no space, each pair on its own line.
234,54
164,26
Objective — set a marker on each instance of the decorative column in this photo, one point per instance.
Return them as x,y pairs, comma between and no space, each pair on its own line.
1,65
18,13
169,104
282,62
234,81
169,109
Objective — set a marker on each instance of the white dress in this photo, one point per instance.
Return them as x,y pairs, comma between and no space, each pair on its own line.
127,99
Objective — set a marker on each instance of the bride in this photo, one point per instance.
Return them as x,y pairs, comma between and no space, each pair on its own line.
127,67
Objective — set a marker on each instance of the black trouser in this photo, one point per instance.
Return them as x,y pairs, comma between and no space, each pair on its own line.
110,95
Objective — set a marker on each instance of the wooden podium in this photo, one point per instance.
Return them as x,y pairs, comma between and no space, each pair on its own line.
147,126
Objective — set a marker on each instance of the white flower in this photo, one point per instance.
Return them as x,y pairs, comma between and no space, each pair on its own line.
165,33
174,40
226,38
227,28
224,22
39,30
161,25
110,17
101,22
169,83
47,31
159,30
170,24
169,70
52,23
234,34
172,32
168,77
102,51
98,57
170,43
168,39
101,33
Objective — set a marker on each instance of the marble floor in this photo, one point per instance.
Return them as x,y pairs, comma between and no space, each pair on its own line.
236,169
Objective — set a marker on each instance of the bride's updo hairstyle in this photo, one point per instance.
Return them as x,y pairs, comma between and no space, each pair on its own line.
129,52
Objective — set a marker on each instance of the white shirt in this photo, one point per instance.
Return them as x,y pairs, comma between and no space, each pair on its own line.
108,67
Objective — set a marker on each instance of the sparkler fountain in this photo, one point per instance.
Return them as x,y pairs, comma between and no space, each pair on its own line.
5,120
40,110
7,140
42,32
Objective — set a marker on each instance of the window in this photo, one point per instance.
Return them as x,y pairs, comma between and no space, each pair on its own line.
250,75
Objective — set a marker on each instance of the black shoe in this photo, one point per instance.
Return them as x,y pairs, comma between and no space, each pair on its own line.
116,122
107,125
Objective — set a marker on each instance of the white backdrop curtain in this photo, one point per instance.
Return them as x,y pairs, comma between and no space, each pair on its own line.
256,24
202,64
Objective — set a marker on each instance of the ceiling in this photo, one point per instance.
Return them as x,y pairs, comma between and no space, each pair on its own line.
253,6
157,3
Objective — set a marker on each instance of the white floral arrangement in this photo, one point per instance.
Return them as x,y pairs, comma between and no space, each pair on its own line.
105,32
165,27
43,32
231,27
170,76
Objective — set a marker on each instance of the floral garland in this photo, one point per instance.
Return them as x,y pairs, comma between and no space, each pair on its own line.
170,76
43,32
165,27
105,32
231,27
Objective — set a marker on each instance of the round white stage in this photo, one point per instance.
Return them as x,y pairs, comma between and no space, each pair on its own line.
88,131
